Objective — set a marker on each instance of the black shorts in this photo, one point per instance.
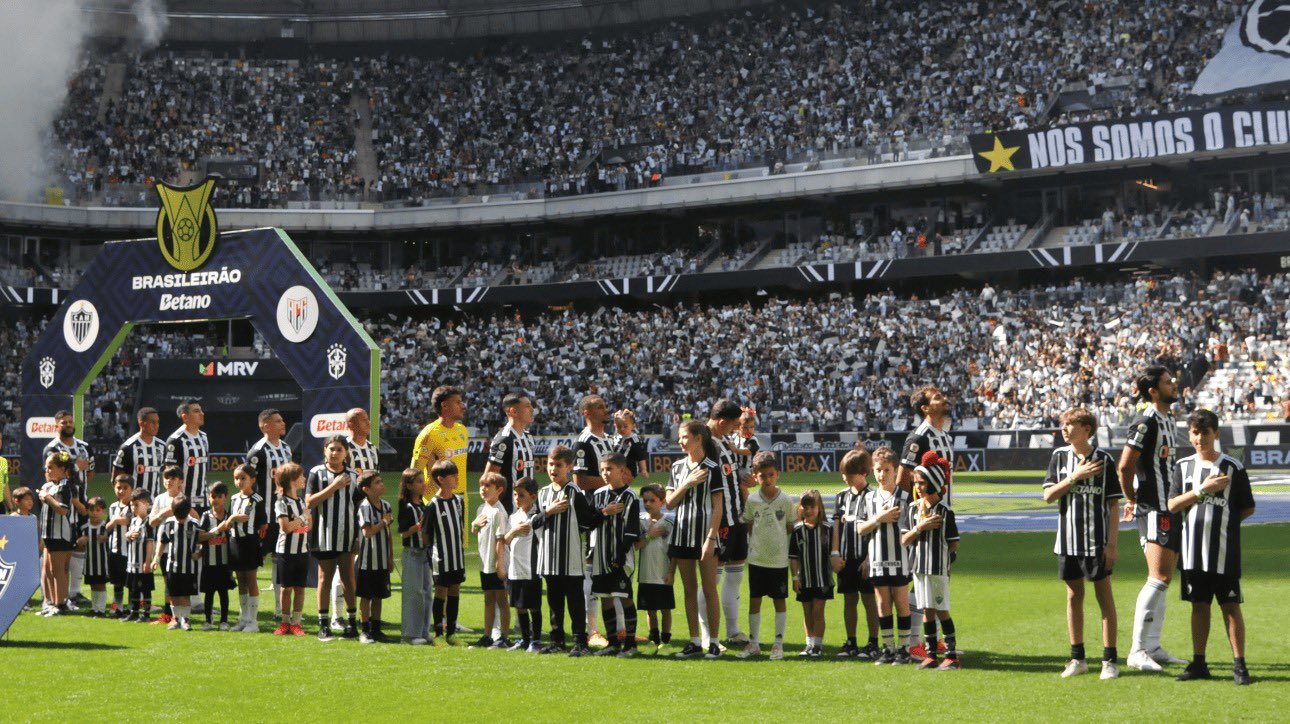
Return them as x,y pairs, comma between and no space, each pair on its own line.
450,578
771,582
58,545
490,582
116,570
245,553
525,595
1161,528
325,555
92,580
373,584
1089,568
655,597
816,594
292,569
269,541
1204,587
890,581
684,553
181,584
732,543
852,578
216,579
615,584
140,582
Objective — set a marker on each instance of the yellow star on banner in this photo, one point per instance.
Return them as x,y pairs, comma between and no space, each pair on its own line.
3,542
1000,157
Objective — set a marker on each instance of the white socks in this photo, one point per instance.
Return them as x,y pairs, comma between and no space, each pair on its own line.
703,612
754,627
915,626
98,601
730,598
1149,615
76,571
781,623
337,597
253,605
182,612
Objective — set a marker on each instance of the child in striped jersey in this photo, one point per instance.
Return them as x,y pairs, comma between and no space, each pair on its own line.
933,537
523,584
611,553
290,555
217,571
56,531
177,545
808,557
416,564
250,527
140,546
118,519
444,515
654,592
329,493
490,526
375,554
848,555
93,540
884,508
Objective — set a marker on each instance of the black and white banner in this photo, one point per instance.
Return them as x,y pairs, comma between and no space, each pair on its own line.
1255,52
1165,135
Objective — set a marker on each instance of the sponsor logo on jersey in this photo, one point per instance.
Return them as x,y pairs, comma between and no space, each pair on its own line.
186,227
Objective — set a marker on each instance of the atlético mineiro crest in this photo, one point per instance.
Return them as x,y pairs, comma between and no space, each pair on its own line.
47,368
6,575
82,318
298,313
336,361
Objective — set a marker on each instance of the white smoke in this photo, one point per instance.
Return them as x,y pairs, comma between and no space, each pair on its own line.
152,19
40,41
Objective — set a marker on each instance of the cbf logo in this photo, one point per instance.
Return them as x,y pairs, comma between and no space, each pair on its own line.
186,227
47,372
336,356
81,325
6,575
1266,27
297,313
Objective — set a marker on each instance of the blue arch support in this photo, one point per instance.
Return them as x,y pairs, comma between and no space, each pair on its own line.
256,274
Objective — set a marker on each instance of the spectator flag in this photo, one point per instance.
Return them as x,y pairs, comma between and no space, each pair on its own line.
1255,52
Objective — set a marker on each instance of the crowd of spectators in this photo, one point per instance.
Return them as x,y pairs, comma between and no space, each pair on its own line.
1009,358
626,110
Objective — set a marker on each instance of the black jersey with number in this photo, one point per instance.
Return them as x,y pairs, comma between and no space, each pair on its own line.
887,555
587,452
930,553
511,450
142,461
810,547
265,457
116,539
335,526
444,535
1082,525
180,537
1154,436
192,454
1211,535
848,507
928,437
295,542
613,539
694,512
560,535
215,549
375,551
255,509
732,503
634,449
136,551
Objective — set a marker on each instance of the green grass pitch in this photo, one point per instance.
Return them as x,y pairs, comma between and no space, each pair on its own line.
1008,607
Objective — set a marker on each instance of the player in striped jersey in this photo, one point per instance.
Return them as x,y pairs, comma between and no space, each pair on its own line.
490,526
1145,469
217,570
375,553
591,445
743,443
143,453
118,519
563,512
523,585
1212,493
329,493
732,543
932,534
140,546
268,454
696,493
627,442
612,562
510,454
57,528
81,477
808,558
363,455
250,527
848,555
290,553
93,539
444,515
190,449
883,510
416,564
177,544
932,405
1082,481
